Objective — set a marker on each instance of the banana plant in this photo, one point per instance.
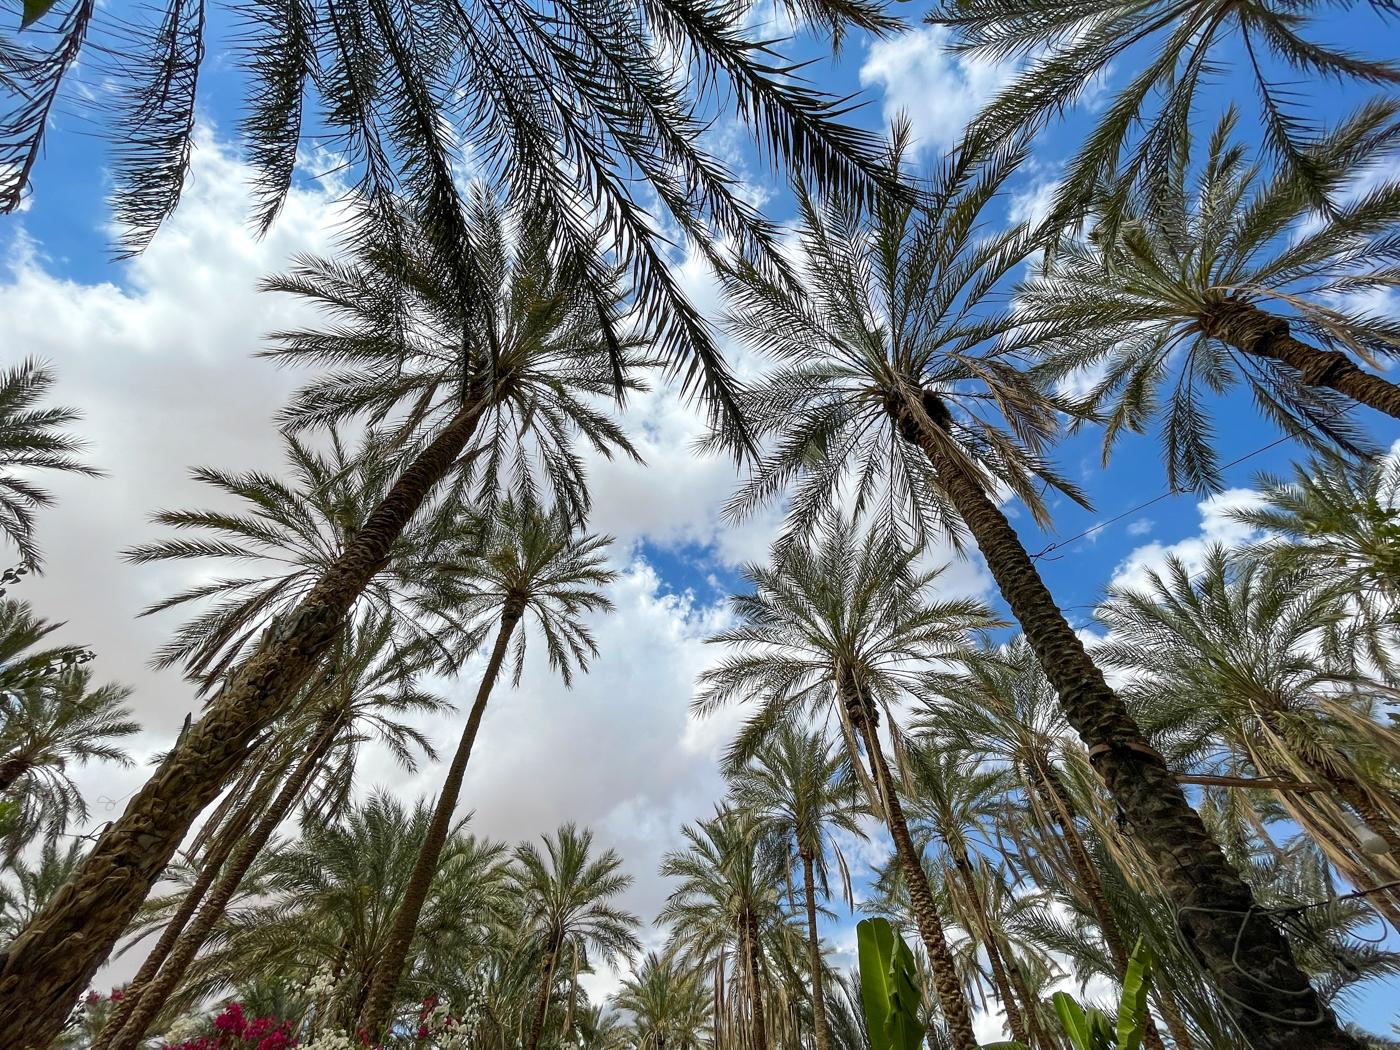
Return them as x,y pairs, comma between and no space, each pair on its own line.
1091,1030
888,992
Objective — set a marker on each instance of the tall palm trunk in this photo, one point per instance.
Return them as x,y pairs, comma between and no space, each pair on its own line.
814,950
1040,1040
1254,331
389,970
757,1022
228,837
951,1000
1243,951
49,965
154,996
551,959
984,926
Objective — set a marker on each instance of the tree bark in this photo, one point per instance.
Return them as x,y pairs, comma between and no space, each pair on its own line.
757,1022
542,1000
49,965
951,1000
814,949
158,991
1245,954
389,970
984,927
1254,331
1040,1040
219,850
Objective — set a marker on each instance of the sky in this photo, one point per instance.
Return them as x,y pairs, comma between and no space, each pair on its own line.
157,354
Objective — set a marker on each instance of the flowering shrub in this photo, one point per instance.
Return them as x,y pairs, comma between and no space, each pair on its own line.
233,1031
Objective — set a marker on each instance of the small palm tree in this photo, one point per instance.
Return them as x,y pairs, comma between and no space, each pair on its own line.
842,629
1221,276
803,793
1173,48
728,903
565,897
526,568
669,1004
894,387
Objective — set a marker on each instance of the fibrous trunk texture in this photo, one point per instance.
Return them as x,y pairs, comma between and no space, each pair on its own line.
542,1000
154,995
814,950
1253,331
389,971
984,927
758,1023
1246,956
951,1000
49,965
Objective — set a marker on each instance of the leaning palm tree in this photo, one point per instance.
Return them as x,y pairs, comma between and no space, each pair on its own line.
669,1004
728,904
519,364
1222,276
1227,660
840,629
366,686
803,793
526,569
1173,46
891,386
566,911
31,439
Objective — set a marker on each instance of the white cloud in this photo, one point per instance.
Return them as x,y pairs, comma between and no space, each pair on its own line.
1216,528
1141,527
939,91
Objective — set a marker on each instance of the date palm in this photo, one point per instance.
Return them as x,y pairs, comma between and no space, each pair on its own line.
31,438
25,890
728,903
1224,276
1173,48
841,629
803,793
1228,662
527,569
565,894
668,1002
521,365
890,385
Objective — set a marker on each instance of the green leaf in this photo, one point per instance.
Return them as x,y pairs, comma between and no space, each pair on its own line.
875,950
1132,1007
1101,1035
34,10
902,1026
1005,1044
1072,1018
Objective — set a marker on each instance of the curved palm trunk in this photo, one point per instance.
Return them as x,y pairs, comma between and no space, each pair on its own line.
154,996
1246,956
984,927
219,851
814,950
951,1000
49,965
389,970
542,1000
1254,331
757,1022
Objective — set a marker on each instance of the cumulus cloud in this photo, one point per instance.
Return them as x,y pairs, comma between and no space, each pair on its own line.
938,91
1216,528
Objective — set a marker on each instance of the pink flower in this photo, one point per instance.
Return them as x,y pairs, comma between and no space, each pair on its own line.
116,995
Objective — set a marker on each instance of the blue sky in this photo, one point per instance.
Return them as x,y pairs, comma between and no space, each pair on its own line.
156,352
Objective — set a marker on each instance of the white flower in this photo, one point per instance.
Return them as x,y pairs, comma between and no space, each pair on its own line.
184,1029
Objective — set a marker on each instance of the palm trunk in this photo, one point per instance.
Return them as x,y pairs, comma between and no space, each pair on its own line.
154,996
1039,1039
984,927
1176,1025
214,858
757,1023
951,1000
814,949
49,965
11,770
389,970
542,1000
1245,954
1253,331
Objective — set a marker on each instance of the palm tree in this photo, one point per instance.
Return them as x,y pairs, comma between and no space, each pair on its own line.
842,629
1226,276
1173,47
519,365
527,566
31,439
802,792
889,387
566,908
1227,662
365,685
668,1002
728,902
